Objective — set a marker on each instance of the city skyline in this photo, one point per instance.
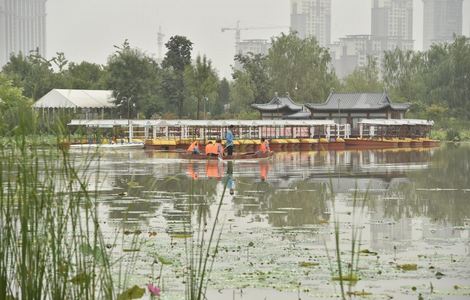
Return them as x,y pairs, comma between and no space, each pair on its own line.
88,30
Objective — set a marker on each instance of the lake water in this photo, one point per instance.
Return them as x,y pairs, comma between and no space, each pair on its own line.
406,206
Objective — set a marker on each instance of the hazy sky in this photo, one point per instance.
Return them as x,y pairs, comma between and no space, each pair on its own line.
88,29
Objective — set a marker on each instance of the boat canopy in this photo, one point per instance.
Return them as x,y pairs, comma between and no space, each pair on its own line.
396,122
200,123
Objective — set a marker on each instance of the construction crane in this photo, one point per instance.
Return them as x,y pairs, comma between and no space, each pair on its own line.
238,30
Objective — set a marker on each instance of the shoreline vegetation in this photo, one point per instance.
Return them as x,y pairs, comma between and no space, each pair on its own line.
181,86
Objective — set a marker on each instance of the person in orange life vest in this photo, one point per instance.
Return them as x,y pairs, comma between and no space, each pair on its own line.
219,147
263,147
209,148
194,148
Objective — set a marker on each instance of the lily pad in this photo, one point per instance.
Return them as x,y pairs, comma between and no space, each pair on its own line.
408,267
134,292
308,264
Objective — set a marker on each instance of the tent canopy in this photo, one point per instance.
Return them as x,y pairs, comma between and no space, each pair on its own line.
58,98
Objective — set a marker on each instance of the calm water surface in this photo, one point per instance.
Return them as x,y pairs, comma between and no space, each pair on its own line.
416,210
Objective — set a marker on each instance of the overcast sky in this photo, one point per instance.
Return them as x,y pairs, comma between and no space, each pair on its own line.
88,29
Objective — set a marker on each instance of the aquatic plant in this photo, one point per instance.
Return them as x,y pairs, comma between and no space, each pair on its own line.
199,249
51,244
349,275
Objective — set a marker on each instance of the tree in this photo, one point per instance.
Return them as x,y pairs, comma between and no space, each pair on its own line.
447,76
33,73
255,65
300,67
364,79
223,97
135,79
176,59
241,93
402,74
85,75
201,81
15,109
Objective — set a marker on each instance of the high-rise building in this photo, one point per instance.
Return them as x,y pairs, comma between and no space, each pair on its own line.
392,18
353,51
312,18
22,27
442,19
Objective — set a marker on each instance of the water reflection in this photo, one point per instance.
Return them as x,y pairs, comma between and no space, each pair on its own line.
294,188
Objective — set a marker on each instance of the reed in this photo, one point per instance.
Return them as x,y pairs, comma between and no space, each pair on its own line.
338,271
201,250
51,245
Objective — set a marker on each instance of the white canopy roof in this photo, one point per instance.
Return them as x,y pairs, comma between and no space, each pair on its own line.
200,123
58,98
396,122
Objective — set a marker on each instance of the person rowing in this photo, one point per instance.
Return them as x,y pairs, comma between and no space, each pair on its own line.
194,148
215,149
263,147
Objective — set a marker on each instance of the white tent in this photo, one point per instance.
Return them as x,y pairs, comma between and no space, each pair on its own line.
58,98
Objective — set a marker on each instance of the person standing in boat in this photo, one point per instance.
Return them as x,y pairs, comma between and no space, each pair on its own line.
229,137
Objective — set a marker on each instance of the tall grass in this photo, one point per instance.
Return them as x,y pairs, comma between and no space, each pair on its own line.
339,272
200,249
51,246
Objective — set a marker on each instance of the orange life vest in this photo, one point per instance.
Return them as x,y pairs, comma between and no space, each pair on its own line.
192,146
263,147
211,149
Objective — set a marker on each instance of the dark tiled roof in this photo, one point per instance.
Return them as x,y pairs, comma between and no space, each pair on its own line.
357,101
301,115
278,103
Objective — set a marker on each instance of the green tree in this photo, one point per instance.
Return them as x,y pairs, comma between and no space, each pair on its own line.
176,59
241,94
201,82
85,75
403,74
255,65
15,109
223,97
447,76
33,73
364,79
300,67
135,79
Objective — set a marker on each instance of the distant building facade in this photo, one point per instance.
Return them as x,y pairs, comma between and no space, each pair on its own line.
252,46
392,18
442,19
255,46
22,27
392,27
352,51
312,18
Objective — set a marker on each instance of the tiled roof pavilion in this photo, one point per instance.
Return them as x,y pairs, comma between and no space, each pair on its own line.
278,103
358,102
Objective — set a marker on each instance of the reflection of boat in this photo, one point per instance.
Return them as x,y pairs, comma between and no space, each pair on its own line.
108,146
241,156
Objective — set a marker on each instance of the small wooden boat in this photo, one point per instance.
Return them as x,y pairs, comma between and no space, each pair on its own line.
236,156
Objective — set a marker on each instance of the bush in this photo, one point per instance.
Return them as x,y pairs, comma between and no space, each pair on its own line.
453,135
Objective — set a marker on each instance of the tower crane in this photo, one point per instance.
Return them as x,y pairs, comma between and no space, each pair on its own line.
238,30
